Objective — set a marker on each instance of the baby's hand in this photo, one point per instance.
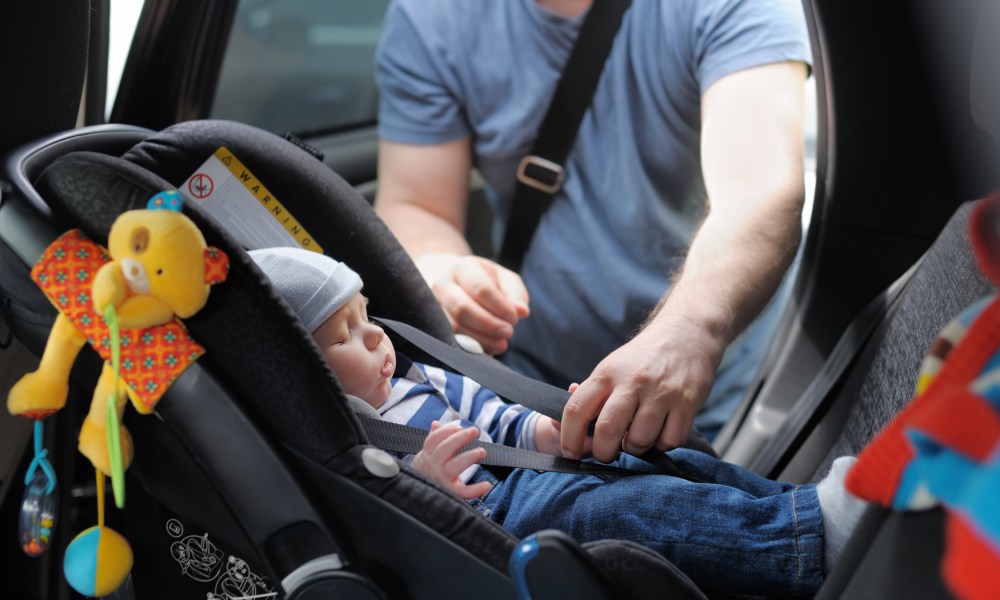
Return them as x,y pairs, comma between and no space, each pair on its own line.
548,431
441,461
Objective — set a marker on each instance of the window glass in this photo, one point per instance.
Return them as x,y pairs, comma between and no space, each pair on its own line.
301,66
124,14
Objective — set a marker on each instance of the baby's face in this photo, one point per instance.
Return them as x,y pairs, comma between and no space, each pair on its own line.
358,351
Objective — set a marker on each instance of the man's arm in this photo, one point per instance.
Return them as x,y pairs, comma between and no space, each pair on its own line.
648,391
422,197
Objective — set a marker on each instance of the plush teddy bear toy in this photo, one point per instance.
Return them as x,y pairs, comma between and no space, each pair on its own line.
157,267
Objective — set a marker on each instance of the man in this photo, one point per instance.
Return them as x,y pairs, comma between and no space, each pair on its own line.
698,110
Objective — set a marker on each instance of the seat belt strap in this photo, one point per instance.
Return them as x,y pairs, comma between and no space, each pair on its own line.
509,385
816,399
540,174
506,383
404,439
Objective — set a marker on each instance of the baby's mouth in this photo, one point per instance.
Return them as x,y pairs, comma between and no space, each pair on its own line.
387,368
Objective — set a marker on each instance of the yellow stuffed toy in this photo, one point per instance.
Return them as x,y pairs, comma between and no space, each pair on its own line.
159,267
126,302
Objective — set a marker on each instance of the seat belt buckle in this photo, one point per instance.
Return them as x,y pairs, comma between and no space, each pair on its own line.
541,174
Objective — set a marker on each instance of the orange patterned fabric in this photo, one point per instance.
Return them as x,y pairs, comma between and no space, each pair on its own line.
216,266
151,358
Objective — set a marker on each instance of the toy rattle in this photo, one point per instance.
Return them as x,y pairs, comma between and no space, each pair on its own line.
125,301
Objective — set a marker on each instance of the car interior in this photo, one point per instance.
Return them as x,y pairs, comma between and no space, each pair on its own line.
247,467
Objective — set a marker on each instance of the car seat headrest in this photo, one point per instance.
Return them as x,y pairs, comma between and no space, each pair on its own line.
334,213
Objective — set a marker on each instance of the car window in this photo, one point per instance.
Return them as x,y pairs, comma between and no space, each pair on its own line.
301,66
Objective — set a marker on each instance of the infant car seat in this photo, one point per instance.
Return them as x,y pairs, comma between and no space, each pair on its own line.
255,478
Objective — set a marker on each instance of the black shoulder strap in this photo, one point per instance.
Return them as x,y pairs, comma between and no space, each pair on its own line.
540,174
817,398
509,385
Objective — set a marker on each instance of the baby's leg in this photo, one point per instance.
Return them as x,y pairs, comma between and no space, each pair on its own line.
764,541
712,469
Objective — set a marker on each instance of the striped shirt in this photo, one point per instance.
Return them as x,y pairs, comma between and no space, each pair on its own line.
425,394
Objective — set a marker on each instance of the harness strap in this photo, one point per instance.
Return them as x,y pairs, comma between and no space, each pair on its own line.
512,387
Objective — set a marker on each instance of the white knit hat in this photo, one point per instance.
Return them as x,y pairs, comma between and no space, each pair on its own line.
313,284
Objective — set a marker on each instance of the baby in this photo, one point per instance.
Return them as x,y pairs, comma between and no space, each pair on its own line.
740,533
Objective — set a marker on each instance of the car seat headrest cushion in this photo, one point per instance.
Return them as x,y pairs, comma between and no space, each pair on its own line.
333,212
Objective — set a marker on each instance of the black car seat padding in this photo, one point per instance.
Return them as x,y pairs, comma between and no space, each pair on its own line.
263,357
260,351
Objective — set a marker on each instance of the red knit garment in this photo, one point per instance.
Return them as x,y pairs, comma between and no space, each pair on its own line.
971,566
947,411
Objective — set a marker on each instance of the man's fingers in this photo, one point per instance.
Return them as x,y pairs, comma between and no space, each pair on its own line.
676,430
646,427
480,282
609,431
470,318
582,407
514,289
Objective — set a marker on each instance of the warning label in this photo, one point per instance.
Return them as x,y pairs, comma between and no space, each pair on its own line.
224,188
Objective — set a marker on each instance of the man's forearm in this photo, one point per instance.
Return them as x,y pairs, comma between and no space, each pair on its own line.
734,265
421,232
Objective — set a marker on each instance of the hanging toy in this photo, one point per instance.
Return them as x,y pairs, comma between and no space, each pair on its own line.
124,301
98,559
40,504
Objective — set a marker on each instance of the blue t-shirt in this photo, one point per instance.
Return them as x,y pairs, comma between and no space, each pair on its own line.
603,253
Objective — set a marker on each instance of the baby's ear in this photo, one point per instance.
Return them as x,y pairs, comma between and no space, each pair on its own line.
216,265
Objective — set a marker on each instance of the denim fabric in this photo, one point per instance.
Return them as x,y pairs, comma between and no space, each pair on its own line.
740,534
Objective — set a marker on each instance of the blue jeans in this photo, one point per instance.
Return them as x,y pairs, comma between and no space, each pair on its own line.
740,534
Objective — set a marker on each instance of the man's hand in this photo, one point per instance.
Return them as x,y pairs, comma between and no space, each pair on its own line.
481,298
644,394
548,432
647,392
441,461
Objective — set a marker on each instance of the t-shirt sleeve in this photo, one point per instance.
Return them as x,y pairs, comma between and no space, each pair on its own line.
417,104
732,35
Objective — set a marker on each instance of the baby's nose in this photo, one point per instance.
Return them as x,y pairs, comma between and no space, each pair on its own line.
374,336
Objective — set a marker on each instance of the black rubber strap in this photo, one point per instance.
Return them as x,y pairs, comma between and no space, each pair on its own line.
558,130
